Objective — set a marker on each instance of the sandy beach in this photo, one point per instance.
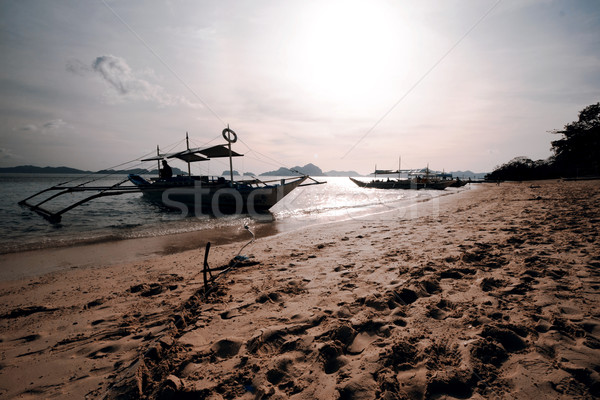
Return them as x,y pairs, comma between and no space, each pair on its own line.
491,293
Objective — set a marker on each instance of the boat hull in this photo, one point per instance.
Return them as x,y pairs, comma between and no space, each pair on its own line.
215,196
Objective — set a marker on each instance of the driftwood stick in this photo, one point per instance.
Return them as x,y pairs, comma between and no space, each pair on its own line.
206,267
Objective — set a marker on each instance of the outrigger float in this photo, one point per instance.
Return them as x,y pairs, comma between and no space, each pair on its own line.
215,195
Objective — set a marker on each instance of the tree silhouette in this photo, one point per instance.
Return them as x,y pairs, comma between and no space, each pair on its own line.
522,169
578,151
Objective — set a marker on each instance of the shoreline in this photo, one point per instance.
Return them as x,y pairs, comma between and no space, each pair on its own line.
38,262
491,293
104,252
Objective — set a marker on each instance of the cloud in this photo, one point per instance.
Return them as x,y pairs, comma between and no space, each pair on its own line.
54,124
44,128
125,82
8,155
27,128
118,74
77,67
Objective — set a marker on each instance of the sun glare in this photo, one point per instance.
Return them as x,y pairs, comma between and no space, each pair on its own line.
348,52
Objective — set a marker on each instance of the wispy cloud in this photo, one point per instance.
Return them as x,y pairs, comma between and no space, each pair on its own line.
125,83
52,126
77,67
27,128
7,155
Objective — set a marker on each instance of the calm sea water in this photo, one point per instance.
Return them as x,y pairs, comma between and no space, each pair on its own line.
130,216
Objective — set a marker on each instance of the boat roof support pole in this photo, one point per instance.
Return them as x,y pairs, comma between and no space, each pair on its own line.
187,143
230,159
158,161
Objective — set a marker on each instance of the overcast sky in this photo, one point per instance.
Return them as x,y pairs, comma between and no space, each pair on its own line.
342,84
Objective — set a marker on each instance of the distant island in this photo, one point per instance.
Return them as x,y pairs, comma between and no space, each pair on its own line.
311,169
342,173
32,169
469,175
226,173
308,169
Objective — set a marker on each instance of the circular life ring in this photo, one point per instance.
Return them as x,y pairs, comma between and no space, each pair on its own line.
229,135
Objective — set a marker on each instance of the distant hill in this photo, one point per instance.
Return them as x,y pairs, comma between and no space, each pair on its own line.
226,173
308,169
342,173
31,169
468,174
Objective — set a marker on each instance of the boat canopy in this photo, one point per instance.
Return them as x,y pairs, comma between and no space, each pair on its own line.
193,155
188,156
218,151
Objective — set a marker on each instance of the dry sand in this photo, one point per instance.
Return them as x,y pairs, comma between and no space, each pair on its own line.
488,294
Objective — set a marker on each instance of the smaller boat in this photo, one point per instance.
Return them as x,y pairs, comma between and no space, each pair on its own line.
389,184
417,179
417,183
460,182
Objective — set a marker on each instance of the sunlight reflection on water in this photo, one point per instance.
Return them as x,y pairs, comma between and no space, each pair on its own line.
130,216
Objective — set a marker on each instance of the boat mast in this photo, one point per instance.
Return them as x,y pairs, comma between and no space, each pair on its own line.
230,158
187,144
158,160
399,167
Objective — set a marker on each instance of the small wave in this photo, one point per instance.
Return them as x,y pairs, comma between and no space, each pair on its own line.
124,226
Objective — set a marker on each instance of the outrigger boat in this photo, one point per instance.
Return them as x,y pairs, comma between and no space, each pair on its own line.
415,180
216,195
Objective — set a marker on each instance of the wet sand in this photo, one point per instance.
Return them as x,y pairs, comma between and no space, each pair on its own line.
489,293
110,252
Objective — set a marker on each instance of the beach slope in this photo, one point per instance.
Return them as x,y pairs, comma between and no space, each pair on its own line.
489,293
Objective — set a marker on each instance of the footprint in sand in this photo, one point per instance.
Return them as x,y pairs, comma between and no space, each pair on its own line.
401,356
436,313
226,348
487,351
330,354
361,342
507,337
104,351
30,338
